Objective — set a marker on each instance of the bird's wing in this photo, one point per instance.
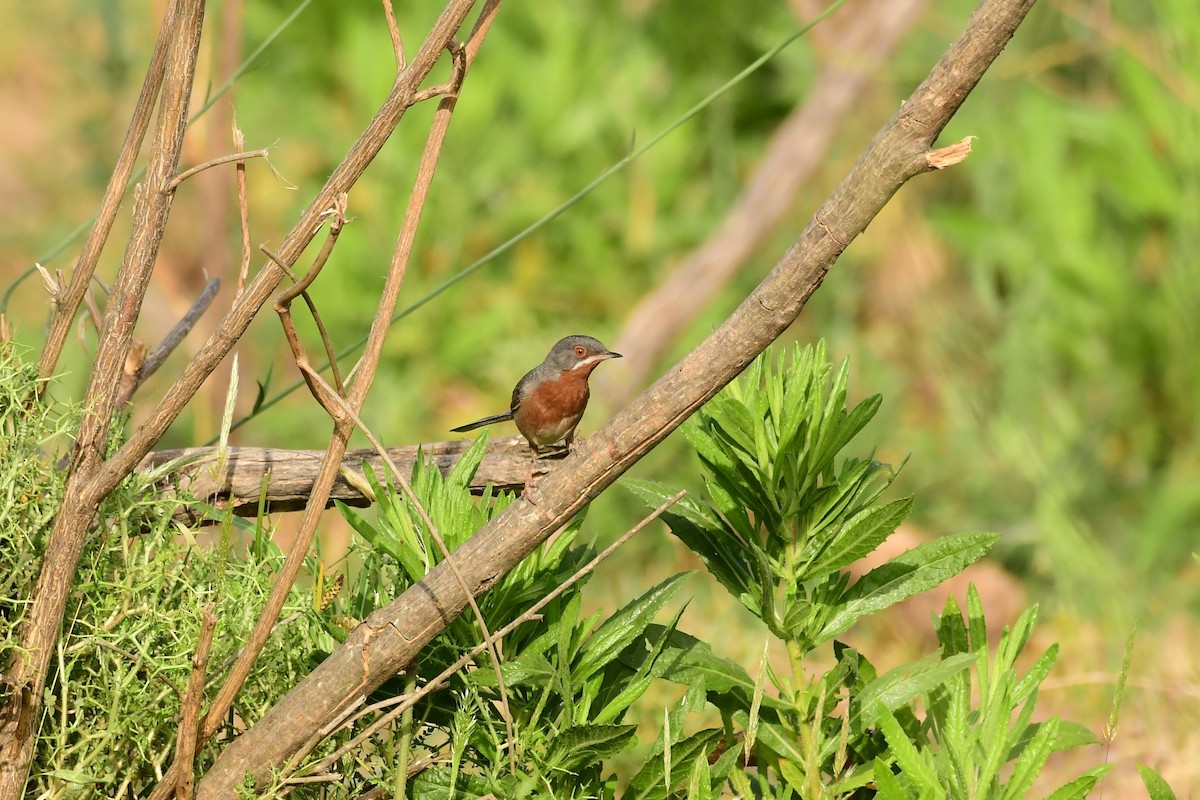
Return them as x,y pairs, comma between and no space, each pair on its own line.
523,387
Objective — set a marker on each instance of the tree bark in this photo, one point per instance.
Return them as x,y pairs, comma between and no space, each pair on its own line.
289,474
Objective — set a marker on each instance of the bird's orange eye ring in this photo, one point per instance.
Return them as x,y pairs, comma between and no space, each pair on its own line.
580,351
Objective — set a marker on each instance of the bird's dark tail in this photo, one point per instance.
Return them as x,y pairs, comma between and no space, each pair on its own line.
479,423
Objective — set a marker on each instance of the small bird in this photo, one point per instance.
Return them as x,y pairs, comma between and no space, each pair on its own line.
549,401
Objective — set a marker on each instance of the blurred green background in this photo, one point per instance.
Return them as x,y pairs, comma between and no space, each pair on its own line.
1030,316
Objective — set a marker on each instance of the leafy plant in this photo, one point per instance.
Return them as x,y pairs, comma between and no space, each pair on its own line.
783,517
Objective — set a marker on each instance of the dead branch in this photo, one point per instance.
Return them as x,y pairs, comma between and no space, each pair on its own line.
394,635
148,364
866,36
240,158
290,474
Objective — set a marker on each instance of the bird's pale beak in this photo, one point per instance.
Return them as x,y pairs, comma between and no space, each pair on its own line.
610,354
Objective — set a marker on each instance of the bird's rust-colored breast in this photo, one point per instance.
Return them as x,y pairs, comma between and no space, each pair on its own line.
552,409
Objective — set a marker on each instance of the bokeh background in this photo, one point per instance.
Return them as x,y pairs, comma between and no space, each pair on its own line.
1029,316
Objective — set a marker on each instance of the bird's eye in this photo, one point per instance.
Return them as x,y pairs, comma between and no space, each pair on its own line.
580,351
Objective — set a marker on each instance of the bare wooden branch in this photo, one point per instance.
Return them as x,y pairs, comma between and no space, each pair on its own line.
89,256
394,30
147,365
394,635
290,473
215,162
41,626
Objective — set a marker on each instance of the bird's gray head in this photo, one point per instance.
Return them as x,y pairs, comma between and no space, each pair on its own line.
578,352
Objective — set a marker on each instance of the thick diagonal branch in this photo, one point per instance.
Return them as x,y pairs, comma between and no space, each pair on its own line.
394,635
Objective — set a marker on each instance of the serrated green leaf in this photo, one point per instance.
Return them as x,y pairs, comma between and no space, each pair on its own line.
897,686
647,784
723,556
1032,759
436,783
583,745
627,624
1082,786
1031,680
914,766
887,785
1070,735
910,573
794,777
859,536
687,661
468,463
700,781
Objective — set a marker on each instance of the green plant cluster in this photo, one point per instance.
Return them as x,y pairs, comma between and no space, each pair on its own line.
111,709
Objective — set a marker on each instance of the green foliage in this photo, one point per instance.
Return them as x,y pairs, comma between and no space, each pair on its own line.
961,751
113,694
783,516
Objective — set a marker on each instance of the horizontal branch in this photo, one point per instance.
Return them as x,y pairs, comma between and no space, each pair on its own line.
290,473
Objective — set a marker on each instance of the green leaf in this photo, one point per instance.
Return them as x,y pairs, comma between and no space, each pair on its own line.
897,686
859,536
619,630
1156,787
723,556
700,781
1082,786
1070,735
794,777
1032,759
585,745
438,784
647,784
912,763
908,574
686,660
886,783
468,463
